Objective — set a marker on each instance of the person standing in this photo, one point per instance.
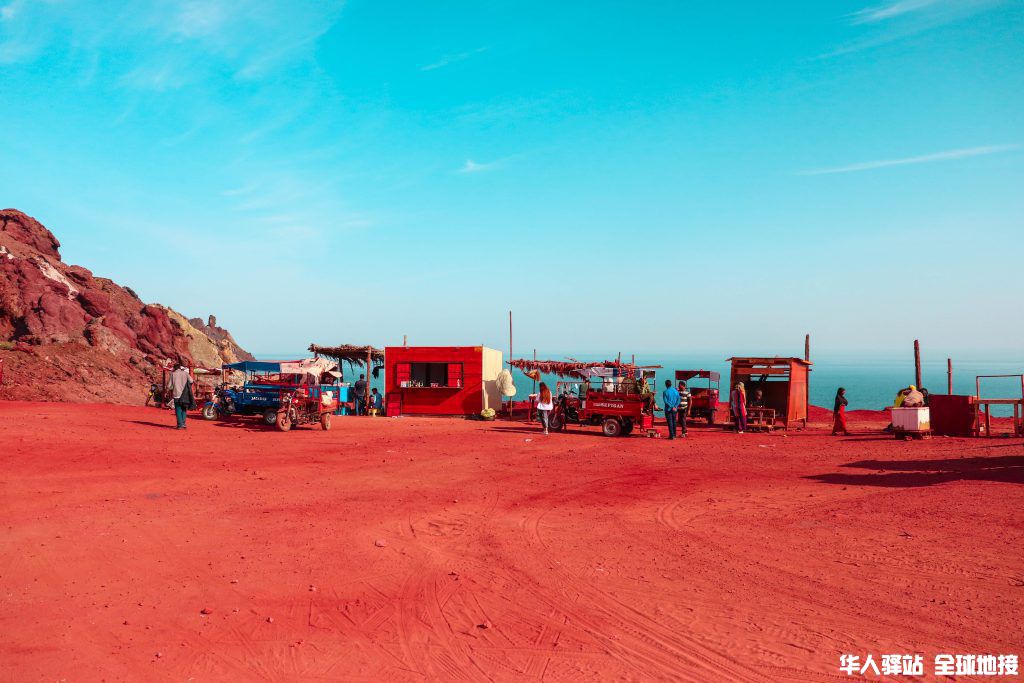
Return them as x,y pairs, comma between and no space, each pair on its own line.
180,389
738,404
839,413
376,401
670,400
359,391
545,405
683,409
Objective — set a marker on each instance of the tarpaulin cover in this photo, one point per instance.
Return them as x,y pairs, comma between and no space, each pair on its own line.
310,366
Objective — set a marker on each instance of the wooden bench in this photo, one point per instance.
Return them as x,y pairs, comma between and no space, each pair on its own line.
760,419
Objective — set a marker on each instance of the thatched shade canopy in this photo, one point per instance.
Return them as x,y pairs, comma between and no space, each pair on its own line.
349,353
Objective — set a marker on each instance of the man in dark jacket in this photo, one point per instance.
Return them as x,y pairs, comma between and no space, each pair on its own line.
180,393
359,395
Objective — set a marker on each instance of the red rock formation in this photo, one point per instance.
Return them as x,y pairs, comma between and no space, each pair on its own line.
68,335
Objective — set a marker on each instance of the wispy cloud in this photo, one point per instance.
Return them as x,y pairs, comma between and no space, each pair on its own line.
451,59
10,10
871,15
901,19
475,167
199,19
907,161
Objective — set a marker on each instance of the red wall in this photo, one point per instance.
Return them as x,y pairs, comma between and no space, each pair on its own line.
952,415
436,401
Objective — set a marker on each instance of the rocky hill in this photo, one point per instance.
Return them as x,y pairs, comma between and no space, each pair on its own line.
67,335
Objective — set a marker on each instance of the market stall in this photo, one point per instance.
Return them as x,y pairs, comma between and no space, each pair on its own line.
783,383
369,358
441,380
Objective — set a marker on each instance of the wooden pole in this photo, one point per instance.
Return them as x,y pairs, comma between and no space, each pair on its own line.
369,360
535,361
807,389
949,376
917,364
405,340
510,357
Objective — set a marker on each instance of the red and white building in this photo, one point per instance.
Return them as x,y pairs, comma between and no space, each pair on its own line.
441,380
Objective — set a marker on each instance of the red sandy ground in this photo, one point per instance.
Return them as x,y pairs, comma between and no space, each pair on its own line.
408,549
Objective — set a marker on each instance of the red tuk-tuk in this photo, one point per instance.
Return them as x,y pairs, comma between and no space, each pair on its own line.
306,401
703,399
617,406
306,404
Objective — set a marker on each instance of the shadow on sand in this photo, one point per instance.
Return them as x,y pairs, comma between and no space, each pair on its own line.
147,423
909,473
526,428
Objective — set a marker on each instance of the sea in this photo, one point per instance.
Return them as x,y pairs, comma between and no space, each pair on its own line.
871,380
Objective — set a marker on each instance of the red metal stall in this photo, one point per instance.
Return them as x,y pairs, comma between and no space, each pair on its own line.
441,380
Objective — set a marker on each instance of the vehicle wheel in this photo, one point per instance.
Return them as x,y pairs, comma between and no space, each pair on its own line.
325,422
711,417
284,421
210,412
627,427
270,416
611,427
555,422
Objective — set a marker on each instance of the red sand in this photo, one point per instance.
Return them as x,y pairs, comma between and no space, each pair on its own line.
448,549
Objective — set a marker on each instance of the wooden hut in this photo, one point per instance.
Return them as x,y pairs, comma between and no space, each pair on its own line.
783,382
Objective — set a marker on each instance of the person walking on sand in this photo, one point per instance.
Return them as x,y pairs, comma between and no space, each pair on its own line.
738,404
839,414
545,405
683,409
670,400
180,390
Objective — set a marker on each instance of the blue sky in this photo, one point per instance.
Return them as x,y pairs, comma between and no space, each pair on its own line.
633,177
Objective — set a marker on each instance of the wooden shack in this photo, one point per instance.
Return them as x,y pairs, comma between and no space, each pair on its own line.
783,382
441,380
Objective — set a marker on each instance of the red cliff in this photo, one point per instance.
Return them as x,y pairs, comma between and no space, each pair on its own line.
67,335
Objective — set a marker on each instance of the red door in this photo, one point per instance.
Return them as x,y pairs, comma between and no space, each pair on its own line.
403,373
455,375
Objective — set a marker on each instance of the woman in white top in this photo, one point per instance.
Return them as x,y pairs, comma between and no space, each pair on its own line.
544,406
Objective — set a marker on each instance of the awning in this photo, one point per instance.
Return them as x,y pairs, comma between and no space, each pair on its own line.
705,374
255,366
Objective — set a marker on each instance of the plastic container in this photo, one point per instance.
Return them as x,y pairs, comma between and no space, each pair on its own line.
911,419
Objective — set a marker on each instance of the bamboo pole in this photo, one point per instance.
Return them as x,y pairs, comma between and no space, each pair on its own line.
949,376
917,364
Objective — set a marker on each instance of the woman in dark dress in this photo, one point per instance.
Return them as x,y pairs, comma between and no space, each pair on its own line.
839,414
